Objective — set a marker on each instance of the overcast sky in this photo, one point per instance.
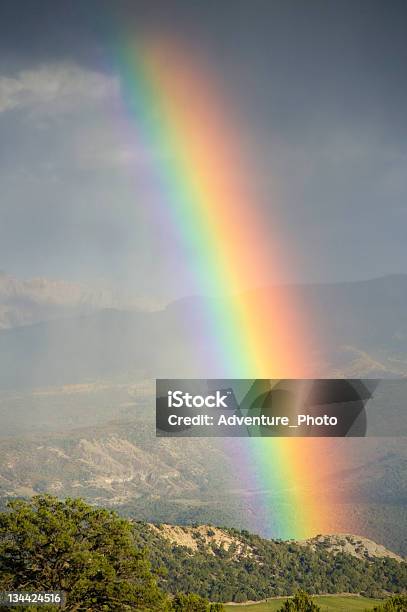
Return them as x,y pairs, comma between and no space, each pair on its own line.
320,89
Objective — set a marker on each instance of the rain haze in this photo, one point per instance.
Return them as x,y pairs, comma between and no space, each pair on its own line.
131,251
318,90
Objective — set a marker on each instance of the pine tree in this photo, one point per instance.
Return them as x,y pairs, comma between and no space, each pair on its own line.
50,545
301,602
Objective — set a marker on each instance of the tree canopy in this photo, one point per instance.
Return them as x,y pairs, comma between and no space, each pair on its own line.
396,603
50,545
301,602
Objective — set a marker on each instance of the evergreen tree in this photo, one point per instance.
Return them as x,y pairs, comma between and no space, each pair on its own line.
51,545
397,603
189,603
301,602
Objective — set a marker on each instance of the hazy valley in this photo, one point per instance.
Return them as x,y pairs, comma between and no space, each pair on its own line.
77,414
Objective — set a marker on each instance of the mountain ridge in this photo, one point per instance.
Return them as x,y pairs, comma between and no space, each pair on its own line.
363,327
231,565
355,545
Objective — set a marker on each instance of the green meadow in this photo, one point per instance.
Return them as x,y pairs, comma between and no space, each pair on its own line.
328,604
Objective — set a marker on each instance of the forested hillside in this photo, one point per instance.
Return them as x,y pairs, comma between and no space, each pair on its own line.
100,559
234,565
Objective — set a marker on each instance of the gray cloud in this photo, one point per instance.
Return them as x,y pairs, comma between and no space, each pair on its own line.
59,87
317,91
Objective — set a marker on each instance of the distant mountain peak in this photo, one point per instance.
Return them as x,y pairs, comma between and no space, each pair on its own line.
355,545
38,299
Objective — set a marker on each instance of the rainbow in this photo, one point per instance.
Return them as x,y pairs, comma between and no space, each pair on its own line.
172,102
